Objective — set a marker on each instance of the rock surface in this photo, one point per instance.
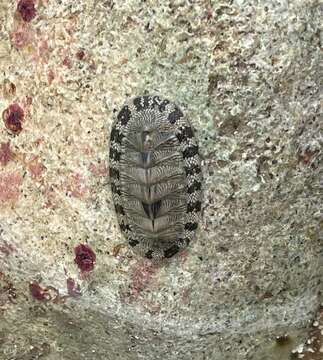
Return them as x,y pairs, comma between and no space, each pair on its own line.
248,74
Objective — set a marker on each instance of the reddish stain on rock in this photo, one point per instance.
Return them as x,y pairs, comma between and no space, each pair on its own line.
84,257
13,118
5,153
26,9
73,289
9,187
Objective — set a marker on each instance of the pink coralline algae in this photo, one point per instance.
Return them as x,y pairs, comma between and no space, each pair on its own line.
84,257
142,277
20,38
9,187
77,188
37,292
5,153
13,118
36,167
73,289
26,9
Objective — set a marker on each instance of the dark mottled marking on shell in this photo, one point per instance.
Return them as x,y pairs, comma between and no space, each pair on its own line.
149,254
175,115
195,186
115,154
171,251
141,102
196,206
124,115
155,176
119,209
190,151
124,227
116,136
163,105
115,189
193,170
133,242
185,134
114,173
191,226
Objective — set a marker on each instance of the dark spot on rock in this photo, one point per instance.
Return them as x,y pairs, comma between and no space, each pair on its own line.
84,257
26,9
283,340
13,117
80,55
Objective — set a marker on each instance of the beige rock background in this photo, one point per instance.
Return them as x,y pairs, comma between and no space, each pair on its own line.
248,74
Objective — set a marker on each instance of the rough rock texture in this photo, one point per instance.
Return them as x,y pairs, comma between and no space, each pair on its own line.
247,73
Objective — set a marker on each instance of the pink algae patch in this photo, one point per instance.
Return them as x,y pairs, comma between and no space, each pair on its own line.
85,257
50,76
67,62
10,183
48,293
26,9
20,38
73,289
36,167
38,292
13,117
141,278
77,188
5,153
98,169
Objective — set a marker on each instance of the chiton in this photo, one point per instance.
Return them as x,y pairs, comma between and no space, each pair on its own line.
155,176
